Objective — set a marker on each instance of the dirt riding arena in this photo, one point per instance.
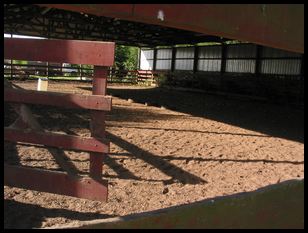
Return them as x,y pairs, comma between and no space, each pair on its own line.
167,148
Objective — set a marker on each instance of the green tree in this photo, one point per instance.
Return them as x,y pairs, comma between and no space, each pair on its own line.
126,57
19,62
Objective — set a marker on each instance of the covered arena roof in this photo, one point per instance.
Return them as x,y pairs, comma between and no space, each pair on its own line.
148,25
33,20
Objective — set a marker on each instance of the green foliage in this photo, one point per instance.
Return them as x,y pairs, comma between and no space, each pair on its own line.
235,42
162,80
87,67
126,58
208,43
19,62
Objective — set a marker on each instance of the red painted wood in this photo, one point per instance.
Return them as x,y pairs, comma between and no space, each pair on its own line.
274,25
58,99
100,80
60,51
98,119
57,140
101,55
55,182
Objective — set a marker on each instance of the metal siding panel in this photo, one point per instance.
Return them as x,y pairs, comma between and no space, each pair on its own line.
240,66
163,65
200,66
282,67
186,64
149,54
185,53
210,52
209,65
164,53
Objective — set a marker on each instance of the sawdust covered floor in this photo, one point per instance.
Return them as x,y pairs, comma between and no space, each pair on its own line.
194,147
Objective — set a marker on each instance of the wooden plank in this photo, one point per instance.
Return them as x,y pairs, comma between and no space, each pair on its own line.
98,125
57,140
60,51
93,102
55,182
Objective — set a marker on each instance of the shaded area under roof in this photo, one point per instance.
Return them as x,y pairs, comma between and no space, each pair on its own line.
274,25
33,20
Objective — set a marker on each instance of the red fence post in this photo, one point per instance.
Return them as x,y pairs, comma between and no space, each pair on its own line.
98,120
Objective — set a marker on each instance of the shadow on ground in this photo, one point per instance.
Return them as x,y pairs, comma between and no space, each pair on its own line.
176,173
271,119
32,216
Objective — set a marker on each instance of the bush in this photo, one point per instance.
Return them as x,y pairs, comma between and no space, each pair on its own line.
162,80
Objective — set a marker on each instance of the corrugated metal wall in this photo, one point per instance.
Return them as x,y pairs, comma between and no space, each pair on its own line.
164,57
275,61
240,58
184,58
209,59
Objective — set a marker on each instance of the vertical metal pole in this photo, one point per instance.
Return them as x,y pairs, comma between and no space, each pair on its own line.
98,120
173,59
196,59
223,65
258,61
223,58
154,59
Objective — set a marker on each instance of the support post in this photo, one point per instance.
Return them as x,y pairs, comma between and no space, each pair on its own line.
154,58
258,61
196,59
173,59
98,120
223,58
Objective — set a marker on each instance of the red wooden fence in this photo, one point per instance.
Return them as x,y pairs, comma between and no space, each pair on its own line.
99,54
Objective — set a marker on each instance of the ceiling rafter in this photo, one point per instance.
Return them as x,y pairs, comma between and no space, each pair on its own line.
54,23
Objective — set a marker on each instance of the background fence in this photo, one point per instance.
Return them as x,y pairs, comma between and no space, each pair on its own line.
34,70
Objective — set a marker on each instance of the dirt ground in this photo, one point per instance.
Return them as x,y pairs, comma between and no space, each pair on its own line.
177,148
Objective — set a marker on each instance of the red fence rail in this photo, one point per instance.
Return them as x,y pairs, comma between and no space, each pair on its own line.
99,54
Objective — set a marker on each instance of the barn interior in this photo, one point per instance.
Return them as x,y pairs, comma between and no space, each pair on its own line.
225,68
247,77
